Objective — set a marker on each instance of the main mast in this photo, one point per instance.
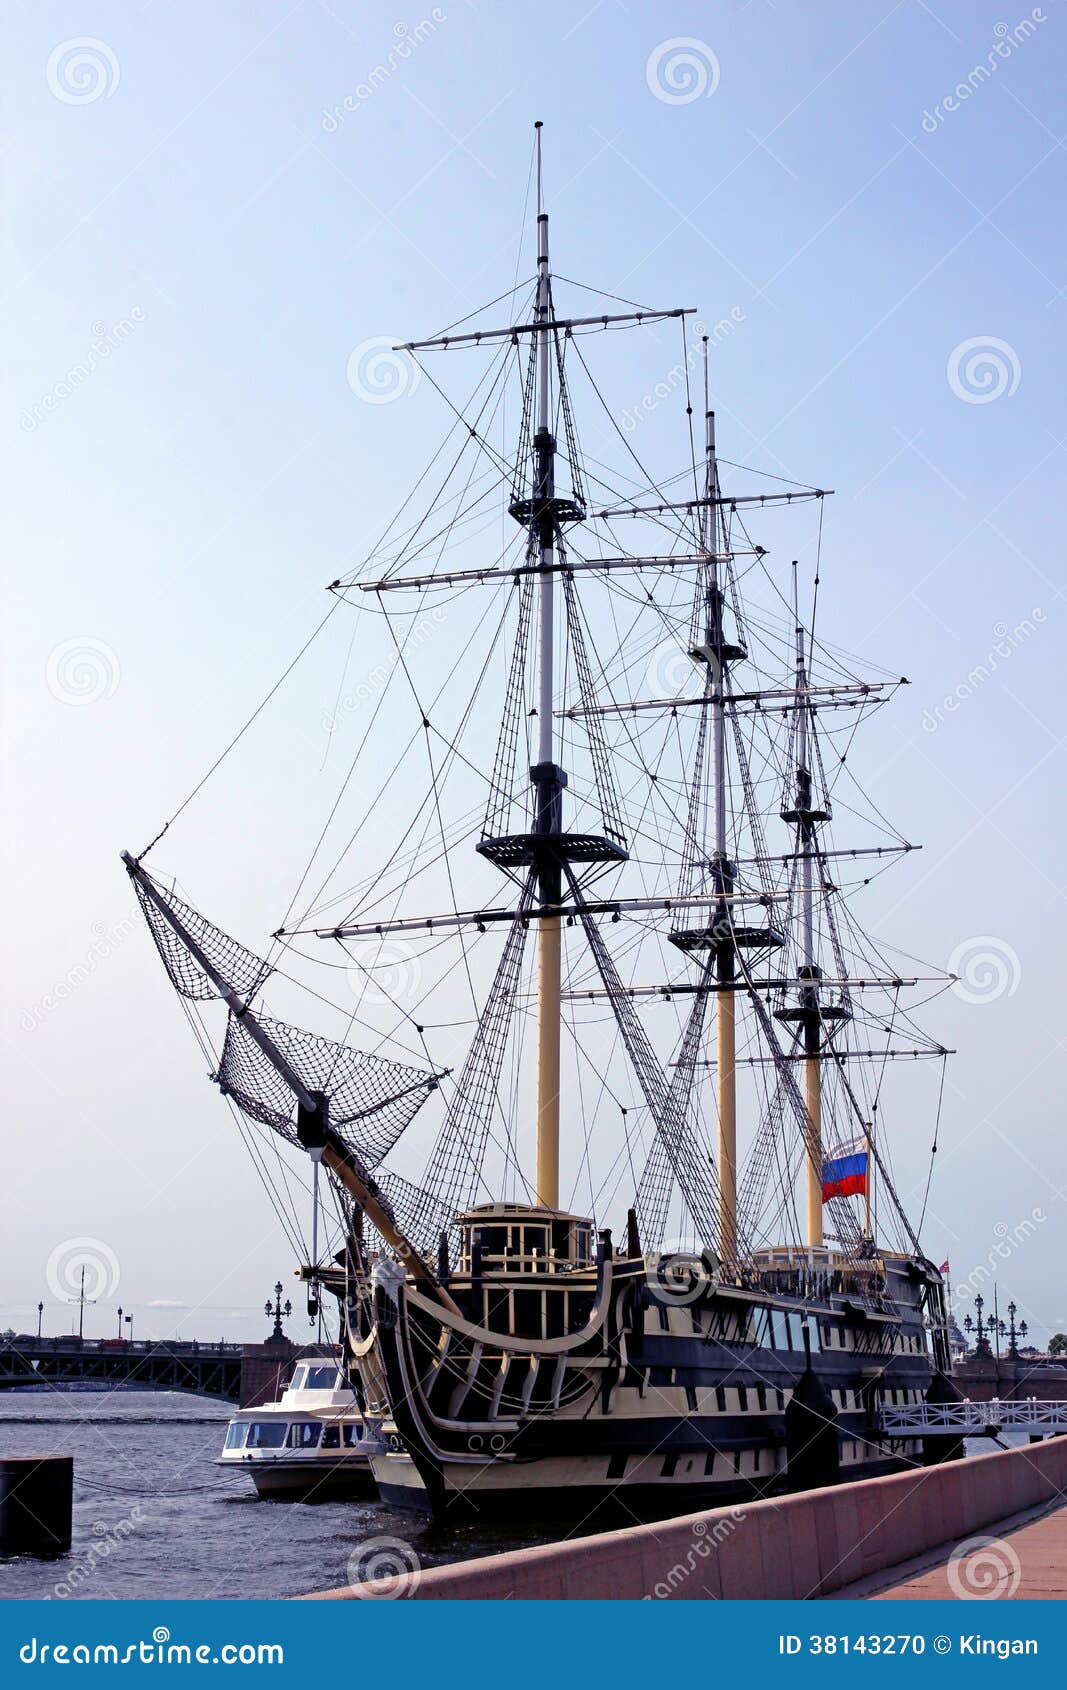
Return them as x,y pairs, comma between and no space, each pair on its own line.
717,655
808,968
548,779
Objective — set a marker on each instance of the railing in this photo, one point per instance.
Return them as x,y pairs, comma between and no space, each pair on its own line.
976,1418
72,1345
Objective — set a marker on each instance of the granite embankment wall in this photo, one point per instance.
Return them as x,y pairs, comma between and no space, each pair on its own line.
801,1546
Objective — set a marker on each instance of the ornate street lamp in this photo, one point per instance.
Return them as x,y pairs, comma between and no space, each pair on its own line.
279,1310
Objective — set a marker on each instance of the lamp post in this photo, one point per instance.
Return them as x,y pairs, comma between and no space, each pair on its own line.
120,1320
129,1323
81,1299
979,1327
279,1310
1015,1332
40,1317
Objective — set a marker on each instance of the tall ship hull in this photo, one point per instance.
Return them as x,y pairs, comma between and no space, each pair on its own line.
645,1387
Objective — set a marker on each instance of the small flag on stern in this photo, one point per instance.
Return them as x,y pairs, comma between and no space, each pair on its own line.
845,1175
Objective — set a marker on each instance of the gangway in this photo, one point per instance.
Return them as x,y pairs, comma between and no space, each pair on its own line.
974,1419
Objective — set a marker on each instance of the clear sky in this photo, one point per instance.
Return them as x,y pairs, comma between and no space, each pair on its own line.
208,209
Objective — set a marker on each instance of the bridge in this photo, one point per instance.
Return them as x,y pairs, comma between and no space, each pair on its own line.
975,1419
248,1374
207,1370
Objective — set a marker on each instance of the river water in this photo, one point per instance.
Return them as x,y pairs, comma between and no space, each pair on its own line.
154,1518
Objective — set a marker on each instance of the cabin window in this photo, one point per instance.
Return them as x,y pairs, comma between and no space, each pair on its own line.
528,1312
720,1398
813,1334
303,1435
780,1395
664,1318
742,1398
331,1437
796,1333
690,1398
493,1239
266,1434
737,1461
318,1379
756,1460
761,1395
235,1435
580,1309
779,1330
352,1431
670,1462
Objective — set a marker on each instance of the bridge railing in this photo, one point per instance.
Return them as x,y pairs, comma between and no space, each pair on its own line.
121,1346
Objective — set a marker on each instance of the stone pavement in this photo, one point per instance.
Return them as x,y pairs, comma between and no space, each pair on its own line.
1020,1559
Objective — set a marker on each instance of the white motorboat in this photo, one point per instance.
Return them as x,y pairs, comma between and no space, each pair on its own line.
312,1445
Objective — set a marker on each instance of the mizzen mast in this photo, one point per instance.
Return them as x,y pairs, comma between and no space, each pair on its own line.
806,815
719,937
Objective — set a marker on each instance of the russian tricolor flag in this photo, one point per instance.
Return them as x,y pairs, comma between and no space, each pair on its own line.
845,1175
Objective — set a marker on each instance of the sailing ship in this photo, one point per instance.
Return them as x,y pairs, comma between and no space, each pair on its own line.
677,939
